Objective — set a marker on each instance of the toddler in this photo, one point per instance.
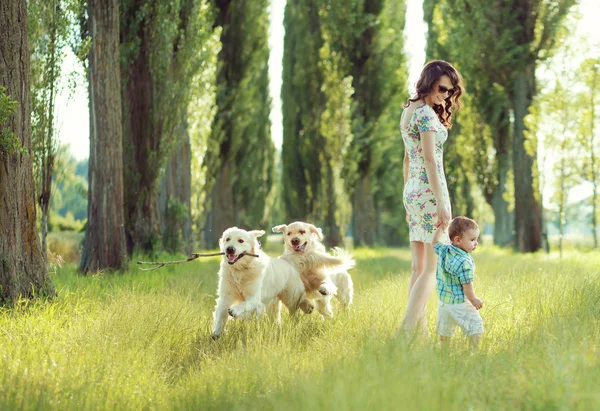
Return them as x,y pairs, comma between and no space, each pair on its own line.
458,303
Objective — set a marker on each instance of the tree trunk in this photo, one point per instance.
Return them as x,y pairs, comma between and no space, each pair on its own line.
141,142
174,198
503,219
221,215
364,219
23,271
104,243
528,211
333,233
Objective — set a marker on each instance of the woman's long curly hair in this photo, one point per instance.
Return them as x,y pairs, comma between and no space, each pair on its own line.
431,73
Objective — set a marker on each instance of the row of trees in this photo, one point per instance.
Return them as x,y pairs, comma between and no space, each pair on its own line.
344,82
151,66
180,139
498,48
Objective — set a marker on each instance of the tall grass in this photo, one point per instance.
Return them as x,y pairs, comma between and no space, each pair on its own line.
140,340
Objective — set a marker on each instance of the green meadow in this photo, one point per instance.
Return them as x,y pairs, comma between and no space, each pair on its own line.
140,340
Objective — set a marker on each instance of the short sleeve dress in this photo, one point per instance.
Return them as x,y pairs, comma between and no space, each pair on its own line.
419,201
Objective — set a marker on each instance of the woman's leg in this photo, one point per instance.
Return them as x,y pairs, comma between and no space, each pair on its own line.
417,251
420,293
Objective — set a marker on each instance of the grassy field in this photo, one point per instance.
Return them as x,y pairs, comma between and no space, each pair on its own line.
141,341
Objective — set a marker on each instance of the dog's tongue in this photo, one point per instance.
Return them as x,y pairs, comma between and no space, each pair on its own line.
231,257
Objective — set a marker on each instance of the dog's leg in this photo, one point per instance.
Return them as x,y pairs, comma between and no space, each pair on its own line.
305,305
252,303
345,289
274,310
220,315
327,287
323,305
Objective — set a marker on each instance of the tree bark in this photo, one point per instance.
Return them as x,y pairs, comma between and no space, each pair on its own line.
222,214
333,232
503,219
104,243
364,218
141,139
528,211
23,271
367,97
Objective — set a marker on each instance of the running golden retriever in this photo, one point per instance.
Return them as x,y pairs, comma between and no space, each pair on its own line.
248,284
323,274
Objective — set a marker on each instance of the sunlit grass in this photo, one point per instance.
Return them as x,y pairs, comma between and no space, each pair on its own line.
140,340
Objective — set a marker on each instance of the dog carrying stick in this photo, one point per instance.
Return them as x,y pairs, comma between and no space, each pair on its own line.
192,257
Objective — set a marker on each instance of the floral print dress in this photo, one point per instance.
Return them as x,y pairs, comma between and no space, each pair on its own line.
419,201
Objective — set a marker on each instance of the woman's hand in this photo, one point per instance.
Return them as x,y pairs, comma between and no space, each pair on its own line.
443,215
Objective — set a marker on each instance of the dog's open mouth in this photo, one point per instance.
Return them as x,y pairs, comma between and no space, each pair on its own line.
233,258
299,248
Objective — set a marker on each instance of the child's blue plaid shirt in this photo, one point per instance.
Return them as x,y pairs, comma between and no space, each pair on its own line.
455,267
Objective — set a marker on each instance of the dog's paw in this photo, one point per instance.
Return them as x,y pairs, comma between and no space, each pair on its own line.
326,289
236,311
214,336
307,307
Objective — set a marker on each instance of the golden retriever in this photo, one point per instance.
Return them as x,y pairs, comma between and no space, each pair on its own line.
247,284
323,274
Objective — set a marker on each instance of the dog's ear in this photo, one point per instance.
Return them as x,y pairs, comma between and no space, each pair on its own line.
279,228
316,231
256,233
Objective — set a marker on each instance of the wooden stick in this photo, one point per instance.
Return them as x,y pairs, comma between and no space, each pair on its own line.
192,257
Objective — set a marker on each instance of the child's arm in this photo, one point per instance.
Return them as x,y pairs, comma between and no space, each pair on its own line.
437,235
470,293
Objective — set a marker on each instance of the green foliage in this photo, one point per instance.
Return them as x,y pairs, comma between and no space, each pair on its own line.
140,340
50,25
69,190
171,45
9,142
325,44
512,38
65,246
175,215
239,162
200,112
302,102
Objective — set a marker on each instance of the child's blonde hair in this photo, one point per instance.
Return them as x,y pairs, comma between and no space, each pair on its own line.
459,225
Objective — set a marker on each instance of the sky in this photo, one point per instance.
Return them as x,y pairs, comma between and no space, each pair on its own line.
73,115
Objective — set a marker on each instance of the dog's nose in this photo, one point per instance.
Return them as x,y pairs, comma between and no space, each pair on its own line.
230,250
295,241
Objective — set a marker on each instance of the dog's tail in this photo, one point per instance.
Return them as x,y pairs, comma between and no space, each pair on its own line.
340,260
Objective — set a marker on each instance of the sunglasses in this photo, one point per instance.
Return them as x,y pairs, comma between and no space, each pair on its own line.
443,89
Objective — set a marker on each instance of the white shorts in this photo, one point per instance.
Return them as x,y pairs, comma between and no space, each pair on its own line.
463,315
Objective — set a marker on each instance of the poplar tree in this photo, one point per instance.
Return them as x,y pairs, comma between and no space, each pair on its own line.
23,271
513,36
49,23
239,160
590,73
160,44
303,102
360,43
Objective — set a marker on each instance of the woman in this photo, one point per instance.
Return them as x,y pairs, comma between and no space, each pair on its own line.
424,125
